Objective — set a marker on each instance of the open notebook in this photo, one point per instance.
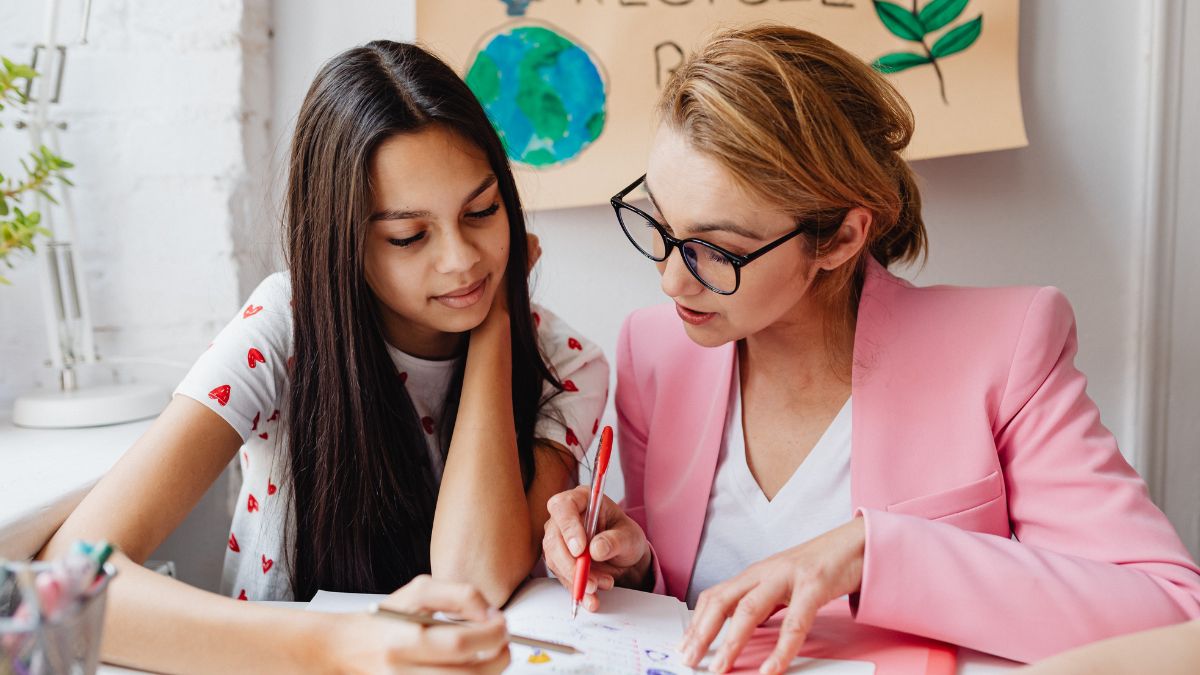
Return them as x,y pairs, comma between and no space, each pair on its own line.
636,633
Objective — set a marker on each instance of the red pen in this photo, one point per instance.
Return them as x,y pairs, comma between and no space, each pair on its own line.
584,562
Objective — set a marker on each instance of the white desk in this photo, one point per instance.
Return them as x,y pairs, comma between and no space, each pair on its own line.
969,662
44,473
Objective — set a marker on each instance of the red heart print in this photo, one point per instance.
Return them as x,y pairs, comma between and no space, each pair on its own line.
220,394
274,416
537,320
251,310
427,422
251,504
263,435
254,357
242,595
595,426
271,487
291,363
572,343
569,386
254,426
233,545
267,563
572,439
404,378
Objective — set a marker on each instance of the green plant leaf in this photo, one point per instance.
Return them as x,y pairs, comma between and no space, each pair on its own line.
958,39
940,12
899,21
898,61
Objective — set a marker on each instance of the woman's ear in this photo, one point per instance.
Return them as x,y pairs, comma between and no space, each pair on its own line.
849,239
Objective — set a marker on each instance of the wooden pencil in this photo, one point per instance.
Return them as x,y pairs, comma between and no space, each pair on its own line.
426,620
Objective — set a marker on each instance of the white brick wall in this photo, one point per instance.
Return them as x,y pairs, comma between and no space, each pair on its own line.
169,114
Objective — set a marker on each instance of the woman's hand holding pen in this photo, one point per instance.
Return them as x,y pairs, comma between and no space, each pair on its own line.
371,644
803,578
620,552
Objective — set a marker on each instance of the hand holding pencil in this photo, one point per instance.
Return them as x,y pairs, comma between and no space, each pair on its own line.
614,552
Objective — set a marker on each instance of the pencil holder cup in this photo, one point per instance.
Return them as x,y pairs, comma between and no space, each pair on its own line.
59,640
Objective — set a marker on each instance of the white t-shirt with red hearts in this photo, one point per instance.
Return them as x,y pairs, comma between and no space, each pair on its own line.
243,378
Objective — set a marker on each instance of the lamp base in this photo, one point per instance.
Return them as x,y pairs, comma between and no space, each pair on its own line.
88,406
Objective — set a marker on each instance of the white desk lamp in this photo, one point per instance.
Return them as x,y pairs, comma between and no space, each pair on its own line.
68,319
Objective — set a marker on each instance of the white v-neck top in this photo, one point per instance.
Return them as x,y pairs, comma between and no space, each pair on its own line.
742,527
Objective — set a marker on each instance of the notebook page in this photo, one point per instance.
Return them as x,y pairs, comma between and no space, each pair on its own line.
634,633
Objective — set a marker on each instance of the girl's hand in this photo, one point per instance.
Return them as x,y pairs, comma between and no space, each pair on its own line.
620,552
377,644
803,578
497,318
535,250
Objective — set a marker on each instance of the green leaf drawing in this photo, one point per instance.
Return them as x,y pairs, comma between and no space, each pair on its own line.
938,13
958,39
901,22
915,24
898,61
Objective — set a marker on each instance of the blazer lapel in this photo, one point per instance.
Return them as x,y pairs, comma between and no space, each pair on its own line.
683,450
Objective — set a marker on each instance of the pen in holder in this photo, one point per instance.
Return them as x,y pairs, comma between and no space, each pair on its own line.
52,614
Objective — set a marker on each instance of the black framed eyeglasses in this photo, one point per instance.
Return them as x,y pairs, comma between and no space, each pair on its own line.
719,270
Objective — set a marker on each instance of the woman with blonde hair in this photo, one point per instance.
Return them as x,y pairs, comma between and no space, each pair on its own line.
800,425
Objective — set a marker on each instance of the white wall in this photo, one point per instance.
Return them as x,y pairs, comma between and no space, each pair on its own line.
168,109
163,136
1176,471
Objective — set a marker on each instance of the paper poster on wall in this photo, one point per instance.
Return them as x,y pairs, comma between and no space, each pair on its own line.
570,85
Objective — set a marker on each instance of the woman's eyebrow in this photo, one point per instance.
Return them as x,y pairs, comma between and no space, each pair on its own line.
701,228
400,214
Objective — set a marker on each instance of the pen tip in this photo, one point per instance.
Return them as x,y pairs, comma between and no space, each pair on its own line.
574,610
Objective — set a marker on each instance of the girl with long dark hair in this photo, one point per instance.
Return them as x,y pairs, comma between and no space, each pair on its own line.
397,406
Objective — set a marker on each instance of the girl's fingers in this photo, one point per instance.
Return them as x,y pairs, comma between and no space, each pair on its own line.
534,248
423,594
460,644
485,665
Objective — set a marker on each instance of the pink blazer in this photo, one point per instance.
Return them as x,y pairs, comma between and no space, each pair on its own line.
999,513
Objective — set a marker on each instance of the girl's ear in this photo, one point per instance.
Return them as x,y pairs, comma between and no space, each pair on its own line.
849,240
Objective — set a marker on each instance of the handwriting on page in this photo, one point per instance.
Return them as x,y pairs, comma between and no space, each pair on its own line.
608,646
633,634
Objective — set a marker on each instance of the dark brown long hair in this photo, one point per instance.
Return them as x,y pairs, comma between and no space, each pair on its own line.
362,486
